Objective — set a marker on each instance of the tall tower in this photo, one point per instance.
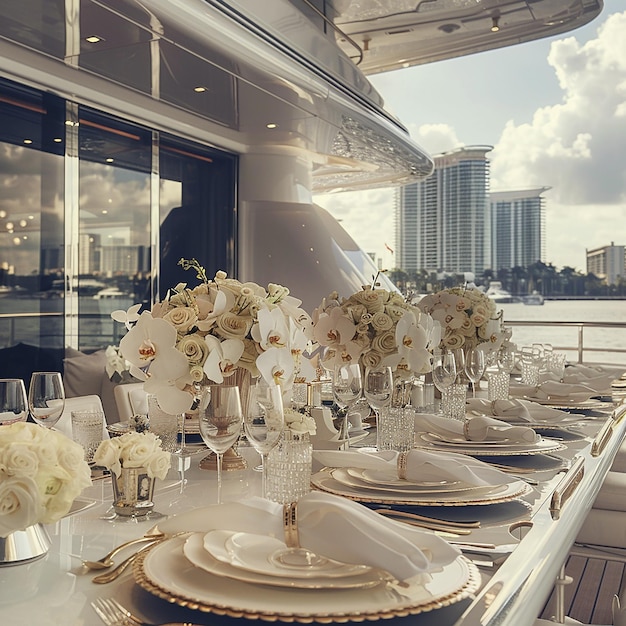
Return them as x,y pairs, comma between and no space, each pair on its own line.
517,228
442,222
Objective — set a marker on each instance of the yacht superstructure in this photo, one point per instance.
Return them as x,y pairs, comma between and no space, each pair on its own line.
231,114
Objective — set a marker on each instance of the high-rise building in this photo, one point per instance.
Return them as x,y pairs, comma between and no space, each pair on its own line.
442,222
517,228
607,263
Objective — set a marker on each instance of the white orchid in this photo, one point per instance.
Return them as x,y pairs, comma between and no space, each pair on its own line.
412,340
128,317
276,365
271,329
223,357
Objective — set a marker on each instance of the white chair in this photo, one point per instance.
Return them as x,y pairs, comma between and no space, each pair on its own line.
131,399
79,403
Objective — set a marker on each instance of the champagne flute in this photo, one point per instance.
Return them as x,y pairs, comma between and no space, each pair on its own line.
347,385
220,420
474,367
264,422
13,401
46,398
444,371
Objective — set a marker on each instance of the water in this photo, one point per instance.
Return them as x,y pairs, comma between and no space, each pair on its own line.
572,311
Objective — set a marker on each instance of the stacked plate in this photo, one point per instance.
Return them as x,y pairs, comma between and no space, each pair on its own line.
247,575
384,487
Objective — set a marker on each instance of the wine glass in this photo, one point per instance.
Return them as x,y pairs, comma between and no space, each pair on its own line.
13,401
46,398
474,367
378,387
264,422
220,419
347,385
444,370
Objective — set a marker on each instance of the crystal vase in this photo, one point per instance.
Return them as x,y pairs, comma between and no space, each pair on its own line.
23,546
133,491
289,468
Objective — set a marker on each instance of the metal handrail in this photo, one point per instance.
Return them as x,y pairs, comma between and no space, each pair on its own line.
580,348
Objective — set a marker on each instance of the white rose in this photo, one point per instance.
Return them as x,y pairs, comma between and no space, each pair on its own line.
140,449
19,460
158,464
19,504
108,455
182,318
194,347
232,326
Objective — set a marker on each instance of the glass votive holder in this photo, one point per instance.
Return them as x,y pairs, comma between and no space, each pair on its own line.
288,468
395,428
498,385
530,373
453,401
87,429
163,425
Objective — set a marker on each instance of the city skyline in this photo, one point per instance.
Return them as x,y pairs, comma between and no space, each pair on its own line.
553,110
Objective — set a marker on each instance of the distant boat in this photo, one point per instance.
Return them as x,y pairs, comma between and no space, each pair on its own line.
109,293
498,294
533,299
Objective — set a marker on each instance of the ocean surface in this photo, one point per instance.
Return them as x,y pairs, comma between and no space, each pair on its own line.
567,337
98,329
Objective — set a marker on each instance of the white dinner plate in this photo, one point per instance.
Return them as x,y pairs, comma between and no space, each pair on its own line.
194,550
429,441
388,478
165,572
487,494
254,553
353,478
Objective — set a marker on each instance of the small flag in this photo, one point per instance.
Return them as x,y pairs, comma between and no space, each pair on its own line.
388,248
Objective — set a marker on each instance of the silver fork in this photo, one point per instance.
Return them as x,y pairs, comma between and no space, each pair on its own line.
112,613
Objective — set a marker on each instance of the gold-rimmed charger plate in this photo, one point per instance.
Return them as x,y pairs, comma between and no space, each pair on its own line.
354,478
195,552
431,442
563,404
165,572
482,494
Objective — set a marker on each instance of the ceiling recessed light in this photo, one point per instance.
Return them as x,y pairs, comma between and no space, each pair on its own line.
109,160
271,125
28,141
200,89
57,140
93,39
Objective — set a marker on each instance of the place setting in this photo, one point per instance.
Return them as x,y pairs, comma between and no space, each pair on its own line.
265,560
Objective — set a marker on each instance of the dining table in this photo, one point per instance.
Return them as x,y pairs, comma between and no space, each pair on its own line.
516,556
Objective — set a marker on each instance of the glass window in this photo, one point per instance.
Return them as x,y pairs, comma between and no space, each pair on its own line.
31,227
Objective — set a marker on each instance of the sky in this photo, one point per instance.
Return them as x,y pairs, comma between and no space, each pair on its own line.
554,111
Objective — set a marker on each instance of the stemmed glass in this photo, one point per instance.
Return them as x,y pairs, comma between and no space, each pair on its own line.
378,387
264,422
347,385
220,419
13,401
444,371
46,398
474,367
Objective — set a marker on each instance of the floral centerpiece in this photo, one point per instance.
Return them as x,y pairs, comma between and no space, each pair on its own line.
468,317
209,332
375,328
299,422
41,473
134,450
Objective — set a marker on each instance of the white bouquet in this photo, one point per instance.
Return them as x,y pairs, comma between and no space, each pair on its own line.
41,473
134,450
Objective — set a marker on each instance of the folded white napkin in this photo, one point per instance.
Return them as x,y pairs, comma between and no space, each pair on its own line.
480,428
552,389
594,370
421,465
331,526
515,410
600,383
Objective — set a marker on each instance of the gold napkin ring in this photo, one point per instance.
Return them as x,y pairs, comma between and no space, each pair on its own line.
290,524
466,433
402,458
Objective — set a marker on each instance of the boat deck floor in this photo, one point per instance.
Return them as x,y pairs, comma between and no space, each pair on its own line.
595,581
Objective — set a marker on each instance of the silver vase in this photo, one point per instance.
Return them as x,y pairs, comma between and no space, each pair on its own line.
22,546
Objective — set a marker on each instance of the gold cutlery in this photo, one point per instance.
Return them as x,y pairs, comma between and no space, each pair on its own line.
417,520
107,560
112,613
116,572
